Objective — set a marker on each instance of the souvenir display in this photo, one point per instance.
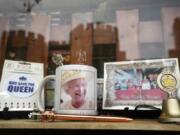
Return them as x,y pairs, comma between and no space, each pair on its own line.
75,90
19,85
169,82
131,83
50,117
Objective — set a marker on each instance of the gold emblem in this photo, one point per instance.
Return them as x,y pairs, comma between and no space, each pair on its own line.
167,81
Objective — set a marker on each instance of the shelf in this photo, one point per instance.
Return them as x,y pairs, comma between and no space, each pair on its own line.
140,125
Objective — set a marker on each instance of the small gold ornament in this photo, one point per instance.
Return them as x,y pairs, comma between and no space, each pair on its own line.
57,59
167,81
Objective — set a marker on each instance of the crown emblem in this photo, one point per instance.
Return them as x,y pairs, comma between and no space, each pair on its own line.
167,81
22,78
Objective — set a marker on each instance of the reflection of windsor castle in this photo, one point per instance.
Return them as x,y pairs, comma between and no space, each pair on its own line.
91,44
87,45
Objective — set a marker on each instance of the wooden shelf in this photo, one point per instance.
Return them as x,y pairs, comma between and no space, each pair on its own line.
140,125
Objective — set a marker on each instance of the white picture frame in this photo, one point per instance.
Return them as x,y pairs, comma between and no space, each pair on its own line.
127,83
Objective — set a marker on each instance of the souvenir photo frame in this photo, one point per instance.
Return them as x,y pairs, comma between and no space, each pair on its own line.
128,84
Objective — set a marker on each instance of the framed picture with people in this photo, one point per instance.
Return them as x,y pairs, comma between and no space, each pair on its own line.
128,84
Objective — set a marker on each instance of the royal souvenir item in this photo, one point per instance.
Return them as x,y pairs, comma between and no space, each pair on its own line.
169,82
19,85
129,84
75,90
51,117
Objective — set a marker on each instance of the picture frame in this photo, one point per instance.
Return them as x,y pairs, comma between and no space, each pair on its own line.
128,84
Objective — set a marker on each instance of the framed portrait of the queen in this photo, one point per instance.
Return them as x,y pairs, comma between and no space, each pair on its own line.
133,83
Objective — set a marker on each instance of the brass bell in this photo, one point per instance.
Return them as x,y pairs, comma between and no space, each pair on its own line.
169,82
170,111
